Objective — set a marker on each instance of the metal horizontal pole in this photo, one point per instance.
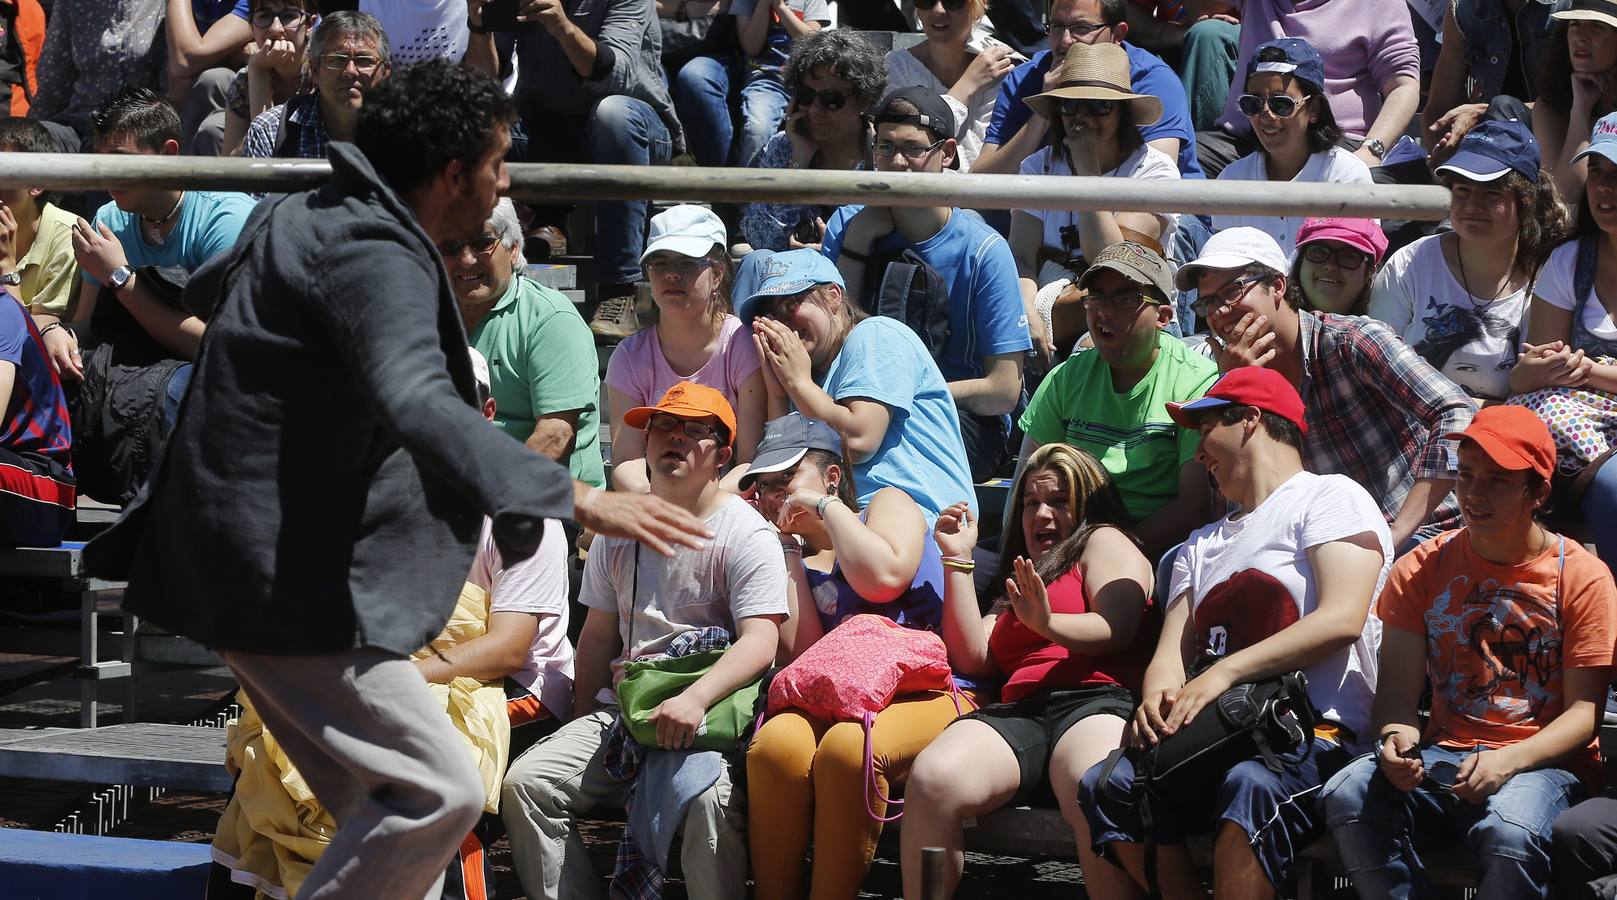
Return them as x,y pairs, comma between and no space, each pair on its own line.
532,181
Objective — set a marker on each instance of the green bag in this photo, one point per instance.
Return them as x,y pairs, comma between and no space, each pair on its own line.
648,682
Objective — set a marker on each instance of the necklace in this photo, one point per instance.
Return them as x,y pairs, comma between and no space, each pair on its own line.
154,227
1499,291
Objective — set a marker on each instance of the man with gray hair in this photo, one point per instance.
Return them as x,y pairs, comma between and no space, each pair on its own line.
349,56
542,362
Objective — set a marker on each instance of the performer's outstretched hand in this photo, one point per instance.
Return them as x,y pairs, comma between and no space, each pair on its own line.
650,520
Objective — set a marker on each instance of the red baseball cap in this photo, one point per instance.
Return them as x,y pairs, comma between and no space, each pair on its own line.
1266,389
1514,437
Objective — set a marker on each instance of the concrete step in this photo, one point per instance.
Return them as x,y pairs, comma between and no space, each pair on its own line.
47,865
183,757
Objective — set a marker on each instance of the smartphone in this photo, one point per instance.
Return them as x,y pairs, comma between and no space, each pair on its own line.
501,15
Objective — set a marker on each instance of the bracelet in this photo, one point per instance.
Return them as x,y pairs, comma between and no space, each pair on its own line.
827,500
475,28
959,563
856,257
47,329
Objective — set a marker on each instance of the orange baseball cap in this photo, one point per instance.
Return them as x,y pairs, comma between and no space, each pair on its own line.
1514,437
688,400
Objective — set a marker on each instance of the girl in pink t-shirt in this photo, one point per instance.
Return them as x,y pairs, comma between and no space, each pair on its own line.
695,339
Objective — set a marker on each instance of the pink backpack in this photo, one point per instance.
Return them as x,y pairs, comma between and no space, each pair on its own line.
855,671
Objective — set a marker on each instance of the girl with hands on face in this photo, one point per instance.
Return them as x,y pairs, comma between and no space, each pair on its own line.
806,776
1070,637
274,71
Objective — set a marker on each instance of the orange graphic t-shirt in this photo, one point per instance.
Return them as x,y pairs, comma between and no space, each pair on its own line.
1499,637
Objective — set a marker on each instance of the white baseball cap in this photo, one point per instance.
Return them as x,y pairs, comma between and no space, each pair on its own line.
1233,248
687,230
480,369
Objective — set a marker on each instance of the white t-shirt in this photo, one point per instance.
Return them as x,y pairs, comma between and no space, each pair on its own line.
419,30
971,118
535,585
741,572
1555,286
1333,165
1250,577
1417,294
1146,163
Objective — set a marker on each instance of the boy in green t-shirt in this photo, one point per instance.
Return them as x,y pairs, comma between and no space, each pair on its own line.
1109,400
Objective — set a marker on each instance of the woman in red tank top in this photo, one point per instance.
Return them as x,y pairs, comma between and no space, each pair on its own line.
1071,639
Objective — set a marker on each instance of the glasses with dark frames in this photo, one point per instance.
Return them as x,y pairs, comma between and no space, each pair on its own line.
831,100
1284,106
482,246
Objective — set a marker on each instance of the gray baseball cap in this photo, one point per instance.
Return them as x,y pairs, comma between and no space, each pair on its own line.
786,441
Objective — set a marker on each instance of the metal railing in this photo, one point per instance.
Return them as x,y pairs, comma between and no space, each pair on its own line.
549,182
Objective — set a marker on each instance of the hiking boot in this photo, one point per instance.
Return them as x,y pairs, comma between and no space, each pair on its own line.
615,317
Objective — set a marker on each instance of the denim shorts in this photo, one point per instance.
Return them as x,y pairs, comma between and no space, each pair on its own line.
1276,810
1033,725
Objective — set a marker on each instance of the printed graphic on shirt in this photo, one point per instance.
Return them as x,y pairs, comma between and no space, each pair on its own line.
1092,433
1241,611
1494,652
1468,344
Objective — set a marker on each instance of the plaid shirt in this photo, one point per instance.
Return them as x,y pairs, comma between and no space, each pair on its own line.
265,131
1377,412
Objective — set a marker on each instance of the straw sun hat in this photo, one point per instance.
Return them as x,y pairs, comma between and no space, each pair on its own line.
1097,72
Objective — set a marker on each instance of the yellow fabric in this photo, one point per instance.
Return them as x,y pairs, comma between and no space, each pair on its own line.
274,830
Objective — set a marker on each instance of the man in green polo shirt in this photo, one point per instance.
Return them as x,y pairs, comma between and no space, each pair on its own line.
1109,400
541,355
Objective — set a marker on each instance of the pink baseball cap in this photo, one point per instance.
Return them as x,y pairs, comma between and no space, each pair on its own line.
1363,235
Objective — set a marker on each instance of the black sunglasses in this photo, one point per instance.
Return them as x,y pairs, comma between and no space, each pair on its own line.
480,245
1282,105
950,5
831,100
1071,107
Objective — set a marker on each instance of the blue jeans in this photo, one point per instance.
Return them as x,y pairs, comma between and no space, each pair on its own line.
1600,509
620,131
763,106
173,393
1374,824
701,92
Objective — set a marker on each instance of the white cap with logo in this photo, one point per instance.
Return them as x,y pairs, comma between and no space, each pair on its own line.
1233,248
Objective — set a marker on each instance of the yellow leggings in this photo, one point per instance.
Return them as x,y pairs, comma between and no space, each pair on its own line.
804,776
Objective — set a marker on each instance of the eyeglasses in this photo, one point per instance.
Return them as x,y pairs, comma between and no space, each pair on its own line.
1347,258
1125,301
1071,107
482,246
696,431
289,18
338,62
1078,30
680,265
950,5
831,100
1282,105
1226,295
885,149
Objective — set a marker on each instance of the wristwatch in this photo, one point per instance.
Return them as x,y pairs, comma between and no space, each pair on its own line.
1376,147
11,278
117,278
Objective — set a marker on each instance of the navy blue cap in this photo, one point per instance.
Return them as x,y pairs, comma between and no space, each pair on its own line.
935,114
785,442
1301,61
1494,149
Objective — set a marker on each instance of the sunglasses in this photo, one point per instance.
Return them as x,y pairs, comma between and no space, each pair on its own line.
289,18
1226,295
1347,258
1071,107
950,5
482,246
831,100
886,149
338,62
1282,105
696,431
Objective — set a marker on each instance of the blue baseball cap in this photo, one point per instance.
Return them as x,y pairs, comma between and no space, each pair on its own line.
1300,60
785,275
1603,140
1494,149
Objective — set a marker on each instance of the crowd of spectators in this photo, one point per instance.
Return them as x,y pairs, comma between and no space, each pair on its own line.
1368,451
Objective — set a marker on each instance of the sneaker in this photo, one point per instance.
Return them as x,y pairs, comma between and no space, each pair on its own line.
615,318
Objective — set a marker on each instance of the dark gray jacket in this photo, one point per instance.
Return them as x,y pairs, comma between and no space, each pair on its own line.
325,484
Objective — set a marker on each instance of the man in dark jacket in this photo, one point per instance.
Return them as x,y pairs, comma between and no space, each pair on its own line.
318,504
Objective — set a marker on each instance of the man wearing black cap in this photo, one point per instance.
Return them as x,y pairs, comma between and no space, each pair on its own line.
988,325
